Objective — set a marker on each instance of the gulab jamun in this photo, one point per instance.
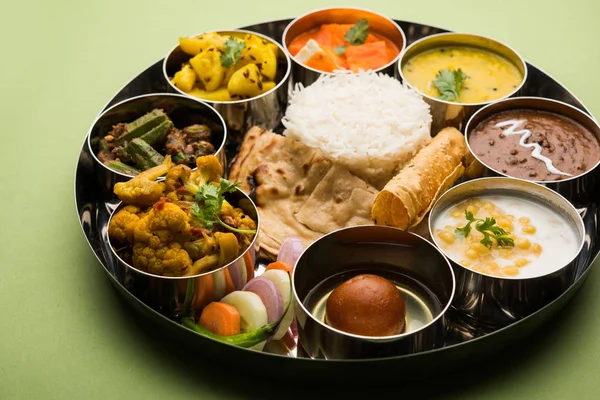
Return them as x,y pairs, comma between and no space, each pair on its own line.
366,305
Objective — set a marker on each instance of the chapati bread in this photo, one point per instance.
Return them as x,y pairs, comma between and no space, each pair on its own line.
299,192
406,199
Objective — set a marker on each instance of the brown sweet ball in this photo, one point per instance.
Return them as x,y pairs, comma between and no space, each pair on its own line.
367,305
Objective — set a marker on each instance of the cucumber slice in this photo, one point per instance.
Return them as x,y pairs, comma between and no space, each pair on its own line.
253,313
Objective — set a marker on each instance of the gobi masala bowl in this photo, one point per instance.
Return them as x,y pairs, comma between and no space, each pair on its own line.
192,231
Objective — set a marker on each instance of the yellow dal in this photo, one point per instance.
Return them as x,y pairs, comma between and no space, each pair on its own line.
489,75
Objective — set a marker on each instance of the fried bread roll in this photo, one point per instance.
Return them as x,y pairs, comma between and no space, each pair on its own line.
407,198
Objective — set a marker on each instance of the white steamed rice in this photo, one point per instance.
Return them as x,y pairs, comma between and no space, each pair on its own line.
370,123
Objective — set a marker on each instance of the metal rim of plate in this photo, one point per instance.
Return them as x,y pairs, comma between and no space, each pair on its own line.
468,342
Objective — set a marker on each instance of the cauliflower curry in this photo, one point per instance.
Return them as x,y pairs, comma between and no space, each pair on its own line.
182,226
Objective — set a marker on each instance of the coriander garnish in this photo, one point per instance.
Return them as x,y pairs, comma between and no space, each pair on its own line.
489,230
211,197
449,83
233,52
340,50
357,35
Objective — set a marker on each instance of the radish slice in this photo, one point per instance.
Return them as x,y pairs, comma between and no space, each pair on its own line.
270,296
253,313
220,285
241,265
281,279
290,251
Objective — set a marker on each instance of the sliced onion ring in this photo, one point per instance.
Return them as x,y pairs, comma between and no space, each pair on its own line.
290,251
270,296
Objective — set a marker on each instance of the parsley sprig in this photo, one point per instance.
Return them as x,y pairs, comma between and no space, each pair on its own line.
211,198
232,53
489,229
449,83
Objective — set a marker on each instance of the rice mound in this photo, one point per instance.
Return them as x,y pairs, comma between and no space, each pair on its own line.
368,122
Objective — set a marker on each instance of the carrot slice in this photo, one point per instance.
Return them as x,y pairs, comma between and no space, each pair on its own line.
221,319
205,290
228,282
279,265
249,266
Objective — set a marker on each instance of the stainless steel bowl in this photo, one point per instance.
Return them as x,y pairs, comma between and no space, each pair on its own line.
446,113
265,110
580,189
498,301
342,15
166,294
419,270
182,110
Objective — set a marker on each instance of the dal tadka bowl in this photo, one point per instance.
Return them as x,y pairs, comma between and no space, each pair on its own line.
499,283
435,53
166,294
568,139
382,27
240,114
348,264
181,110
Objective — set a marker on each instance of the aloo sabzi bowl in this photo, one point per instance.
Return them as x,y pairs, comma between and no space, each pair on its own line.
240,114
454,113
378,24
182,110
499,285
417,268
580,140
167,294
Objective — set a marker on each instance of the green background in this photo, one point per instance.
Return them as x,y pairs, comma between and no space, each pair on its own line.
64,332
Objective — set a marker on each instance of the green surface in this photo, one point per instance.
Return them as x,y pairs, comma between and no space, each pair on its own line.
64,332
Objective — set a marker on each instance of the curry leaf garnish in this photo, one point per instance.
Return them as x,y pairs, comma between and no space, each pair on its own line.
340,50
210,197
449,83
489,229
233,52
357,35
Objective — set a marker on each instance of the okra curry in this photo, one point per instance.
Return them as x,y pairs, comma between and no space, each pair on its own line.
132,147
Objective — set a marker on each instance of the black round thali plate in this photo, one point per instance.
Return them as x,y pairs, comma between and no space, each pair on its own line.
466,343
